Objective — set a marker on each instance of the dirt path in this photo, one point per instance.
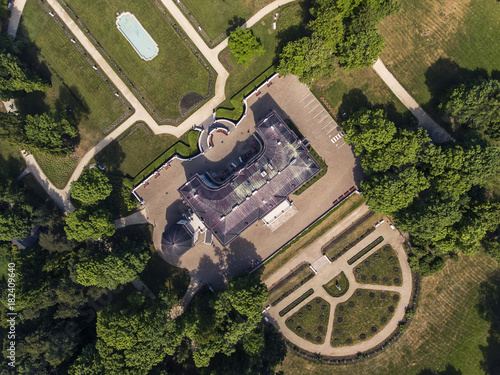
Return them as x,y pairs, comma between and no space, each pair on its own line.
436,132
134,219
325,274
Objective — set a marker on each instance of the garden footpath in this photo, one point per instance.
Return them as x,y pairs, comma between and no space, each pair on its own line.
327,273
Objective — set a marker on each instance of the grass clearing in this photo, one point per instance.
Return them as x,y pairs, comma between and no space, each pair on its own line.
363,88
11,161
448,300
362,316
311,321
380,268
290,283
352,235
164,80
58,169
338,286
216,16
431,45
308,237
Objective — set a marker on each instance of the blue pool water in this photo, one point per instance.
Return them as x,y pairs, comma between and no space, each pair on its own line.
137,36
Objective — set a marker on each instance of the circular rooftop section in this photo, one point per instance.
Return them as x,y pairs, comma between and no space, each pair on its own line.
176,240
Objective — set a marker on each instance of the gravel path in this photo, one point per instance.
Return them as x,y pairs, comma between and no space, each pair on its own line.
436,132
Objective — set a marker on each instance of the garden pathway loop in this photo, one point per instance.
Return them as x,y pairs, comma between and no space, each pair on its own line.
392,237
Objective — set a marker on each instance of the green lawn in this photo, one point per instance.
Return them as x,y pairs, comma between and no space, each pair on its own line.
433,44
288,26
58,169
216,16
351,235
311,321
132,152
315,232
362,316
165,79
341,281
351,91
75,86
448,299
11,162
380,268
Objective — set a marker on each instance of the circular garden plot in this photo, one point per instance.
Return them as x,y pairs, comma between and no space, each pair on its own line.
362,316
338,286
311,321
381,268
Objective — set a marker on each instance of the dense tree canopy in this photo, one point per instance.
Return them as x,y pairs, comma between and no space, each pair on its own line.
15,214
244,45
134,339
84,224
476,105
91,187
45,133
109,270
15,77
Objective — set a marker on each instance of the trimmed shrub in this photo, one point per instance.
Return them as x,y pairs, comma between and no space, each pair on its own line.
395,297
321,318
317,300
374,329
351,304
359,293
309,307
324,307
376,256
383,296
365,250
367,263
358,270
383,320
335,342
362,336
390,309
363,277
309,336
374,277
340,319
395,269
290,322
341,307
372,295
348,341
385,279
338,331
321,328
397,281
300,314
297,302
318,339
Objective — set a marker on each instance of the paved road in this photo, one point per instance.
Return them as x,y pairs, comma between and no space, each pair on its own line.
15,17
326,273
134,219
436,132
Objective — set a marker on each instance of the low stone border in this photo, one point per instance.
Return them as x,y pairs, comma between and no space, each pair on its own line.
129,110
137,93
362,356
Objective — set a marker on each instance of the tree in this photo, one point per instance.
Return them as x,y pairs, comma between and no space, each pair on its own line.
135,338
219,322
87,363
85,224
244,45
307,58
369,130
15,77
113,269
15,214
360,49
390,193
45,133
91,187
475,105
329,28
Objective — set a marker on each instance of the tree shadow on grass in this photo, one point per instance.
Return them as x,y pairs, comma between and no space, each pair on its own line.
356,100
489,309
112,158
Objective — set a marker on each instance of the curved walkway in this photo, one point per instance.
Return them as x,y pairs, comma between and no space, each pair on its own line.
436,132
325,274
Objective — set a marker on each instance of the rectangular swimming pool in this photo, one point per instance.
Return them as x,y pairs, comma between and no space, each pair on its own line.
137,36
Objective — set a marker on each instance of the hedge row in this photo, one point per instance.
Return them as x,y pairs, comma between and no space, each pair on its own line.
324,169
178,148
296,302
292,289
365,250
236,112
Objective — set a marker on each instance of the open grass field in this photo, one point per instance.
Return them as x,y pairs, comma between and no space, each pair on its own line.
380,268
75,85
133,152
58,169
351,235
288,25
446,330
11,162
433,44
350,91
333,218
216,16
362,316
338,286
164,80
311,321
